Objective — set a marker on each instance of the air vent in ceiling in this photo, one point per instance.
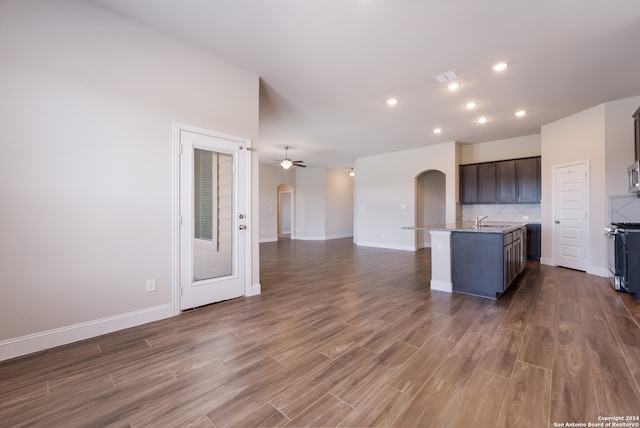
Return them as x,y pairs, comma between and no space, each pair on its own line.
446,76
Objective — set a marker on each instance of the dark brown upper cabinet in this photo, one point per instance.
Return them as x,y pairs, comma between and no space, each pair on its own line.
528,180
515,181
469,184
487,183
506,181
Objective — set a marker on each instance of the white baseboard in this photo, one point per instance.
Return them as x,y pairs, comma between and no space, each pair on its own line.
256,289
441,286
546,261
321,238
268,240
31,343
386,246
593,270
599,271
341,236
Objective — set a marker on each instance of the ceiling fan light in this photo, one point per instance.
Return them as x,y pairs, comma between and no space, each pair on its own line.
286,163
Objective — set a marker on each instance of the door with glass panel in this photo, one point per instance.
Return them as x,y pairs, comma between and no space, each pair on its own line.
212,219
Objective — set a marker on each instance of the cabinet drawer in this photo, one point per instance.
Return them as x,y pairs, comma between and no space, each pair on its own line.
507,238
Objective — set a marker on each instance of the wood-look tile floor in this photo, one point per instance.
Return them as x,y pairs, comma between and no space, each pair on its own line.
350,336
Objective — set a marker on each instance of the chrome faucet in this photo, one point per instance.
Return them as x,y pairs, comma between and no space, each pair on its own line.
479,219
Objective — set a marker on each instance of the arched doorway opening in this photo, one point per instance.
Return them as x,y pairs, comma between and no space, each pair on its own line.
431,208
285,211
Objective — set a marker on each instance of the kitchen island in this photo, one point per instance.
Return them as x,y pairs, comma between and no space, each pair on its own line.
479,260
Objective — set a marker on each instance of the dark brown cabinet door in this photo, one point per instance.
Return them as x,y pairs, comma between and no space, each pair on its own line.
528,180
487,183
469,184
506,181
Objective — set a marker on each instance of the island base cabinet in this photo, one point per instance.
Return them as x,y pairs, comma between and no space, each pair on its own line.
477,263
485,264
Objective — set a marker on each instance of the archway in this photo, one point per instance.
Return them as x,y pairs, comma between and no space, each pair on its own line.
430,204
285,211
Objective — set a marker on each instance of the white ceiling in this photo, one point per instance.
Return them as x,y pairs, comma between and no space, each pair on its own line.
328,66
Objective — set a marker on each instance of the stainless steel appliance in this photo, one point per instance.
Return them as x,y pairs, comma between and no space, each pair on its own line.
633,173
613,254
624,256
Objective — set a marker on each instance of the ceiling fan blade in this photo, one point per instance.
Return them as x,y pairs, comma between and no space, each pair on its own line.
299,164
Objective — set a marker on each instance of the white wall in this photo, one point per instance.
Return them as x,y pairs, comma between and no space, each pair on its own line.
579,137
603,135
86,172
431,204
385,193
339,204
271,176
309,200
618,136
510,148
322,198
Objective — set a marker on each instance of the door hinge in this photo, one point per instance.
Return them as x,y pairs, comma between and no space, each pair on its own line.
180,149
180,220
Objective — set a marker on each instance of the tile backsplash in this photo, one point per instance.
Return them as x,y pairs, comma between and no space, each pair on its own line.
517,213
624,208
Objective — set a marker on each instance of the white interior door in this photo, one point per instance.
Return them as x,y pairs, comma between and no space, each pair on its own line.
571,216
213,220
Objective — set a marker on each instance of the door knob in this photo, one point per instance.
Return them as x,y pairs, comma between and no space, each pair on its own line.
557,221
242,227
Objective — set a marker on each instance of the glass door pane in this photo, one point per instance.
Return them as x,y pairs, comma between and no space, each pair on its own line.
213,214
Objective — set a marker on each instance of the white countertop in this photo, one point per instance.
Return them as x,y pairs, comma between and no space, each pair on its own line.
463,226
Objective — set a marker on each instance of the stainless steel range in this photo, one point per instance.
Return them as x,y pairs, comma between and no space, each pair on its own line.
624,256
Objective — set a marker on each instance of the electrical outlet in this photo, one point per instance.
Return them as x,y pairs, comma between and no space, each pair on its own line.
151,285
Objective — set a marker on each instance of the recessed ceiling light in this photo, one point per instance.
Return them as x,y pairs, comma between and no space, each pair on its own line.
500,66
392,101
437,130
482,119
471,105
521,113
453,86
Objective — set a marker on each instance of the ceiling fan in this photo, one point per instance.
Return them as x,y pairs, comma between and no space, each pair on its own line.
287,163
